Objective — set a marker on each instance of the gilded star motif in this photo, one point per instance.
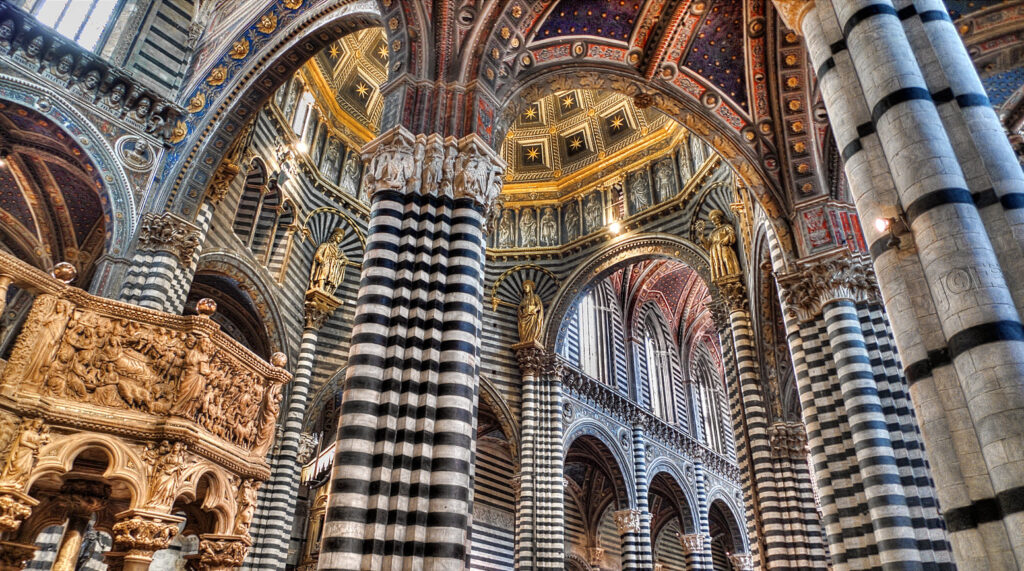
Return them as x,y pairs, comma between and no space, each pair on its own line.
530,113
575,143
362,90
532,154
617,122
382,51
568,101
333,52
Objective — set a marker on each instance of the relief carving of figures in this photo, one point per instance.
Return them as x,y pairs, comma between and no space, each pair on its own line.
683,159
230,403
167,465
548,228
193,376
42,330
392,162
113,362
506,230
169,233
246,502
218,554
719,244
329,166
664,180
639,191
24,452
592,212
329,264
531,315
476,173
268,418
350,174
572,222
528,228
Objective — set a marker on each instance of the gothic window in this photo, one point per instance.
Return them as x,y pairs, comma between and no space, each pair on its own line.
263,215
662,368
706,372
302,113
596,342
84,21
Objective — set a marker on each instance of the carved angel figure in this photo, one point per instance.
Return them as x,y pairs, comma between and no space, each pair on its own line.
531,314
328,264
719,244
167,466
193,376
246,499
24,452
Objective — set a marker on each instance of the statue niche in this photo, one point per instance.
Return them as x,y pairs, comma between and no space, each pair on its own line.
719,244
531,315
329,265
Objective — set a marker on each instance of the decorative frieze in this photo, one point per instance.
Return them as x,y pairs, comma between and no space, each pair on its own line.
806,290
166,232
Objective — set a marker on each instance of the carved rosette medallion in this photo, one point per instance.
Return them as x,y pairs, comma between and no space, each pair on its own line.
627,521
788,440
812,286
742,561
692,543
168,233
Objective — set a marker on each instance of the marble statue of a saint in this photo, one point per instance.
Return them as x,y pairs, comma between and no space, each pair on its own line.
572,222
719,244
548,228
328,265
528,228
531,314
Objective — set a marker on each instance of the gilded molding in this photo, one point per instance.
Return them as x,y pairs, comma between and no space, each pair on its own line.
166,232
793,12
813,285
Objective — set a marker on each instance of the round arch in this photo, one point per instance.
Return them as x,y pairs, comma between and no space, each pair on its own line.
599,432
262,293
731,511
670,469
490,396
613,255
227,93
120,210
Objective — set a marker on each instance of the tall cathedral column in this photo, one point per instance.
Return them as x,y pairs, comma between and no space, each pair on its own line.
540,524
953,315
276,513
644,547
402,487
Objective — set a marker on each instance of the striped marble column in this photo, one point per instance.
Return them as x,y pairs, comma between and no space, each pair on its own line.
540,525
956,322
700,557
402,487
167,249
275,516
628,522
645,551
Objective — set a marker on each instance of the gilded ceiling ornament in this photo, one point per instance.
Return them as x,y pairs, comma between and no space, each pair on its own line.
178,133
393,24
517,11
239,49
197,103
268,23
217,76
293,4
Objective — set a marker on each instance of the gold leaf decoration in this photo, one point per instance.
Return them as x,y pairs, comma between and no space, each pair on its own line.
217,76
268,23
179,132
197,103
239,49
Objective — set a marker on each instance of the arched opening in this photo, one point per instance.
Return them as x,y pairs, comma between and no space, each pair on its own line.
236,312
594,490
725,535
671,517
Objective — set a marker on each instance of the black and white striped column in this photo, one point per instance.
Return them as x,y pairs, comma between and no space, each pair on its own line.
167,249
628,523
401,491
276,513
700,557
645,552
540,524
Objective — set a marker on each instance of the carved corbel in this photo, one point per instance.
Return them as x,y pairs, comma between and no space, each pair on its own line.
742,561
788,440
318,308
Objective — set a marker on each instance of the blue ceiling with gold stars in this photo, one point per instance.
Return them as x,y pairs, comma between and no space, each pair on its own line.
717,53
610,19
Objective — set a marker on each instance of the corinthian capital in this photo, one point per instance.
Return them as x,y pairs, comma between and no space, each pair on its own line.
478,171
168,233
627,521
733,293
809,288
391,161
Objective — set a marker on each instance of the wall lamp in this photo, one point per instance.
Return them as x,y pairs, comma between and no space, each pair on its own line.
897,228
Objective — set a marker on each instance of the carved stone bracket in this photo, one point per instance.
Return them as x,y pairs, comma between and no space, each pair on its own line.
219,552
318,308
809,288
742,561
15,507
166,232
627,521
788,440
692,543
595,555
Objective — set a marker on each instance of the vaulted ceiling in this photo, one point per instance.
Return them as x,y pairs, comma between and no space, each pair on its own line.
50,205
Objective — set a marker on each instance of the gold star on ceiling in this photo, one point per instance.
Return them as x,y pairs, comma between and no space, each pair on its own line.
530,113
575,143
568,101
617,122
382,52
532,154
362,90
334,51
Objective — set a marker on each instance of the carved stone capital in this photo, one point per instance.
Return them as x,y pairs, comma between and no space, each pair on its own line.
517,485
742,561
733,293
595,555
533,359
692,543
219,552
168,233
220,182
307,447
391,161
318,308
806,290
720,315
139,532
15,507
793,12
788,440
84,497
627,521
479,171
